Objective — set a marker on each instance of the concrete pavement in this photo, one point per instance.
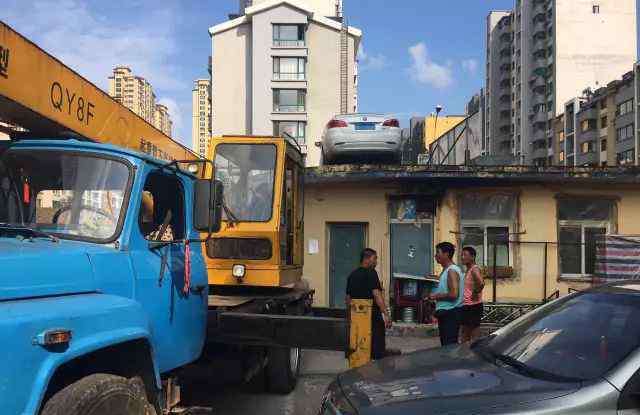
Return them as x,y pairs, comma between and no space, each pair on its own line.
317,371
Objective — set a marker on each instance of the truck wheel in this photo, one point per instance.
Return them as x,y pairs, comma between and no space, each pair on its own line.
283,369
100,394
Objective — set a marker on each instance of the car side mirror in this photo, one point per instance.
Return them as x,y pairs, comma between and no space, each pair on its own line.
207,200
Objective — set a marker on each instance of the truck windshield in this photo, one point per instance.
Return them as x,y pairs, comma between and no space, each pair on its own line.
248,172
580,337
71,195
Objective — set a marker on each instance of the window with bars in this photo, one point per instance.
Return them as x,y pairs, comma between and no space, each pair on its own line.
581,221
486,221
626,157
296,129
625,133
288,35
625,107
289,69
289,100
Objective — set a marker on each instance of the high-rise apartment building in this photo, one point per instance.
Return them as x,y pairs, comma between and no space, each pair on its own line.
284,66
599,128
136,93
541,54
162,119
201,126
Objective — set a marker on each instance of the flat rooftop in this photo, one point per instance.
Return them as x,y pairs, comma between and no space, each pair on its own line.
463,175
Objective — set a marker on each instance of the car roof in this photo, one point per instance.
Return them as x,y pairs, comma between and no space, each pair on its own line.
631,287
361,114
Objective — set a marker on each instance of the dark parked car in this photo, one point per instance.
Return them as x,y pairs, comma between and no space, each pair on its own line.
577,355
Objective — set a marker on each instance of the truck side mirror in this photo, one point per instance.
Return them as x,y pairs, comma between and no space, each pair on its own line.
207,200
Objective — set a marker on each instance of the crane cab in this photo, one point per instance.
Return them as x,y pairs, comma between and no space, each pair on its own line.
260,242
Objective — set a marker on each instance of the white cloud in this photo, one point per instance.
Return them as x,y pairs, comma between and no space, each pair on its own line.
470,65
92,45
371,62
425,71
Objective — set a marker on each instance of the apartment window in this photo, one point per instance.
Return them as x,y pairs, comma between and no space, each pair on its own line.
624,133
296,129
603,145
288,35
587,147
486,221
626,157
586,125
596,9
580,222
625,107
561,136
289,69
561,156
603,104
604,122
289,100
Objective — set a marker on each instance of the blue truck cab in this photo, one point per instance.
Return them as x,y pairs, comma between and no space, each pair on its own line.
103,285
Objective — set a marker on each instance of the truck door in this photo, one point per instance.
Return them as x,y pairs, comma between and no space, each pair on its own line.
176,307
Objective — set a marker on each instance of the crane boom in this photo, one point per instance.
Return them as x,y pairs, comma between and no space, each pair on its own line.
41,94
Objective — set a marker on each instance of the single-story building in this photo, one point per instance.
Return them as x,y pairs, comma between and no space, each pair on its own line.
533,227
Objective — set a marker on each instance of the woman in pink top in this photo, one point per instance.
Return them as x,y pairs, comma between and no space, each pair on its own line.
472,307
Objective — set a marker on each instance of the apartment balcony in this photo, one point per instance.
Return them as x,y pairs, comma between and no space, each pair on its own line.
505,58
506,67
590,158
539,8
505,114
539,153
505,129
507,36
537,82
505,83
540,45
540,28
538,118
539,64
538,99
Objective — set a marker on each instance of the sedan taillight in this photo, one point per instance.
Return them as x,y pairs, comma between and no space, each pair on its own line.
391,123
336,124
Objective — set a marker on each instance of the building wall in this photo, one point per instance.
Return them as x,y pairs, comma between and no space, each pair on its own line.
592,49
535,222
231,76
344,204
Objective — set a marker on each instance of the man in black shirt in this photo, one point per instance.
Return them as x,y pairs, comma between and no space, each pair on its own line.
364,284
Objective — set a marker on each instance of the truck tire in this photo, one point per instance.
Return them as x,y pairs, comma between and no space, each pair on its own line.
100,394
283,368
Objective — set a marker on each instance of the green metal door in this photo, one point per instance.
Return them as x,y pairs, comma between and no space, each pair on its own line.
346,242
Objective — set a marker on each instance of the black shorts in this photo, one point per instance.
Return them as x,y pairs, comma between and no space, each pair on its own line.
472,315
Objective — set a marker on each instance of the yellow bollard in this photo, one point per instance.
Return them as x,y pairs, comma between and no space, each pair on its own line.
360,333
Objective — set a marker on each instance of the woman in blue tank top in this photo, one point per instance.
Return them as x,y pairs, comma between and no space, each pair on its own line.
448,295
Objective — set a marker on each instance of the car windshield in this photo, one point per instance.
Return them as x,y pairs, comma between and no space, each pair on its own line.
579,337
247,171
71,195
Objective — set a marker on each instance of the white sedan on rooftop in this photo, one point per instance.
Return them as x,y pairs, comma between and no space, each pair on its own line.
361,137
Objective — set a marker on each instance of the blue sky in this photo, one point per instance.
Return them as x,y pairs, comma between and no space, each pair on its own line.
417,53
